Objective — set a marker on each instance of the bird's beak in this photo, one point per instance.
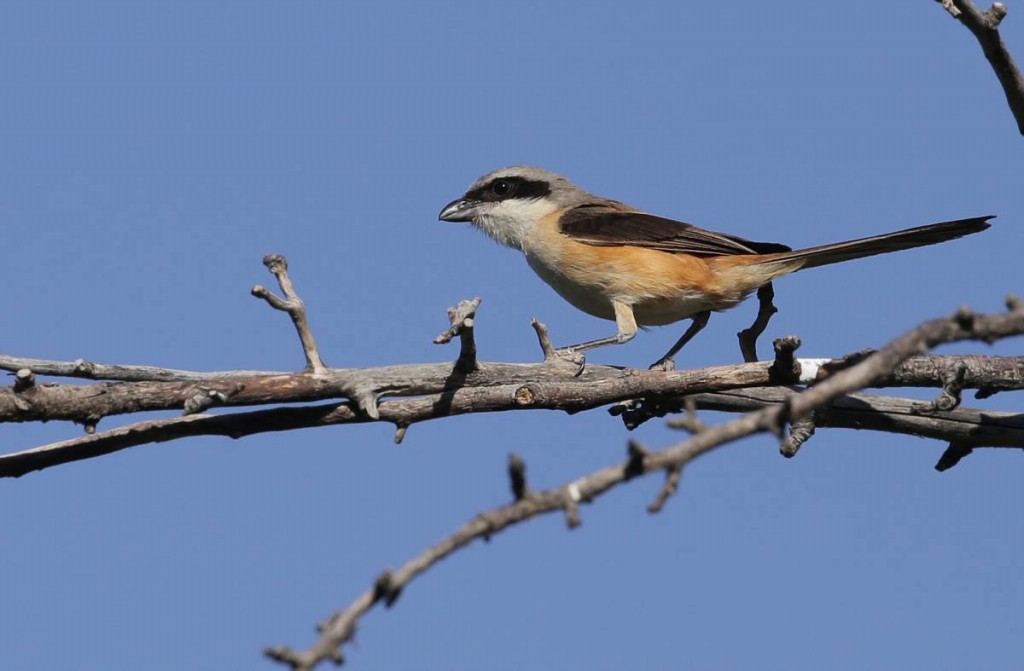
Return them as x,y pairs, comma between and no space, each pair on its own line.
459,210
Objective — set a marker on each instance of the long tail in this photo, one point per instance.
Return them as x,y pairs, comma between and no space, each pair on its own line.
883,244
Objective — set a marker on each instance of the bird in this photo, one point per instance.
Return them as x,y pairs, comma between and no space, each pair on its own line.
639,269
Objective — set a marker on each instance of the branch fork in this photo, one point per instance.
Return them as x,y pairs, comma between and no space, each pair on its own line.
294,306
461,319
984,26
557,356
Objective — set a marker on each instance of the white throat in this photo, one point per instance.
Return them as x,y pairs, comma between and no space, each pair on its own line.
511,221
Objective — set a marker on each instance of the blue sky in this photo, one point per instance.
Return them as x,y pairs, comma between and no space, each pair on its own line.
152,153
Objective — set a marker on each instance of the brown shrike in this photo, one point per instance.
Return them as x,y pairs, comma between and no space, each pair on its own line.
635,268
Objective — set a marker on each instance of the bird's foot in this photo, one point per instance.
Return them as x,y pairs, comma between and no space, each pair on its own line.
567,355
664,365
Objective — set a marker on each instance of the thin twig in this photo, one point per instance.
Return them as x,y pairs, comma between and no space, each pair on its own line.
671,486
956,451
461,319
294,306
543,339
765,309
984,26
689,422
577,360
517,476
800,431
339,628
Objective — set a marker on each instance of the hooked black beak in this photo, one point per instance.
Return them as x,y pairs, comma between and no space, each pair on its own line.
459,210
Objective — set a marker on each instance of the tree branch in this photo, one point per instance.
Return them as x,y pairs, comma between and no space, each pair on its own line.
294,306
963,325
493,388
873,412
548,386
765,309
462,321
87,370
984,26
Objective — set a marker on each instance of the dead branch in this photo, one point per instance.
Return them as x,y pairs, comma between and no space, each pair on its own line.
294,306
87,370
437,390
407,394
962,325
984,25
765,309
545,386
872,412
492,388
461,318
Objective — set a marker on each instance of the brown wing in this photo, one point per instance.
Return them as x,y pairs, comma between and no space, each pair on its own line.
606,226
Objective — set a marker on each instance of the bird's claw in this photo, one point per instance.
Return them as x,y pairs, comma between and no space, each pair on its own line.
663,365
569,356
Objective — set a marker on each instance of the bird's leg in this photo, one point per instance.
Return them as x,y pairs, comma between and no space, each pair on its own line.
665,363
627,328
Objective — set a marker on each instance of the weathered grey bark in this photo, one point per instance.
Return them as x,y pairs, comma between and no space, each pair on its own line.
984,25
831,402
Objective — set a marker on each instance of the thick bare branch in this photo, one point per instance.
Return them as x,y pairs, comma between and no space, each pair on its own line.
549,386
89,403
492,388
533,386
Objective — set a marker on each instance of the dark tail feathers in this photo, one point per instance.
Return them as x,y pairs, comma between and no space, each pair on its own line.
888,242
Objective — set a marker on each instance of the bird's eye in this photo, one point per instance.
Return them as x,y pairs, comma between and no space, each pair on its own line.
503,188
